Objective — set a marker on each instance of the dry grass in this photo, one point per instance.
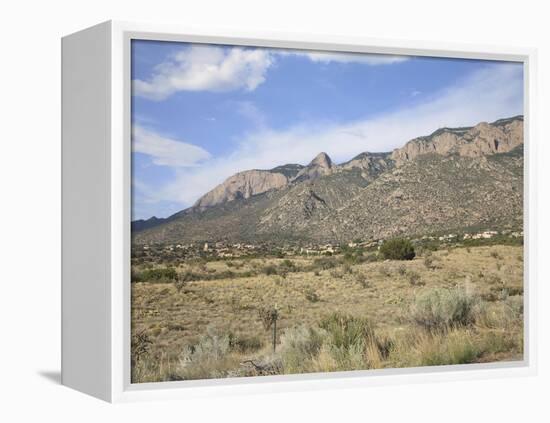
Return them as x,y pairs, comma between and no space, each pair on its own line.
178,319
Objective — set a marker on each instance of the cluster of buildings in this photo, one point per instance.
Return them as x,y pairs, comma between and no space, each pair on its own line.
318,250
240,249
216,249
479,235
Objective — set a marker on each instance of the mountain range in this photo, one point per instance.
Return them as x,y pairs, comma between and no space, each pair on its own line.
453,179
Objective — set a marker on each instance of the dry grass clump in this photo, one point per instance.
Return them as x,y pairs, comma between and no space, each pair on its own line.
429,263
299,346
423,348
414,278
384,271
505,314
311,295
362,280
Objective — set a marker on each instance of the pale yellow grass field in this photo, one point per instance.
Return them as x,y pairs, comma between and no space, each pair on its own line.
175,319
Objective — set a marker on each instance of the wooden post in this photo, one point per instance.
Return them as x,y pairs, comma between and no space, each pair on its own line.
274,332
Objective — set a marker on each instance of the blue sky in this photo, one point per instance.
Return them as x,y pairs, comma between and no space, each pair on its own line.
202,112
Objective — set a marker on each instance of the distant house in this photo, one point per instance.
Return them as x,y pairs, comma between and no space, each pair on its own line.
447,237
485,235
328,248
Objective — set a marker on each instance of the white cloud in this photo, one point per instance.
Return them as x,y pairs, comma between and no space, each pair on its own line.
212,68
166,151
206,68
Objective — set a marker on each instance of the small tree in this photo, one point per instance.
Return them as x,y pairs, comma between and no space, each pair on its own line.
140,346
269,317
397,249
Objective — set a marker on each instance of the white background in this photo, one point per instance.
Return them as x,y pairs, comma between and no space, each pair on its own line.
30,207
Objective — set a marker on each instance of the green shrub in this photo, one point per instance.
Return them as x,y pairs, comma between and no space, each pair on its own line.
245,344
353,255
136,276
270,270
288,264
440,309
397,249
160,274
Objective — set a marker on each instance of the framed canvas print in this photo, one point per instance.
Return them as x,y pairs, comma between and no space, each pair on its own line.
270,212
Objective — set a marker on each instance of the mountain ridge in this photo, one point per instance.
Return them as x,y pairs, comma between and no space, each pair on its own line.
291,198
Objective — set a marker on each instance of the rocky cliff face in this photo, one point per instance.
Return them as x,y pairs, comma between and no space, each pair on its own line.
242,185
253,182
483,139
370,164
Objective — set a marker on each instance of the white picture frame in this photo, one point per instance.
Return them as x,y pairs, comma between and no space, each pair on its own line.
96,214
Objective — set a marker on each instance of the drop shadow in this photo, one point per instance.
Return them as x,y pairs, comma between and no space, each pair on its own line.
54,376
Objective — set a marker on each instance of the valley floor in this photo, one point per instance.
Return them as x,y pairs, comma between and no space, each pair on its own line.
452,306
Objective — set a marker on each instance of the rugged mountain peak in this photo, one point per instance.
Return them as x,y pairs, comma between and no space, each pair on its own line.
322,160
480,140
321,165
